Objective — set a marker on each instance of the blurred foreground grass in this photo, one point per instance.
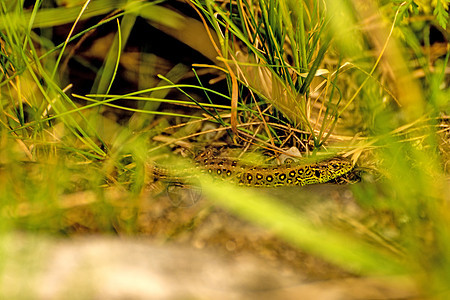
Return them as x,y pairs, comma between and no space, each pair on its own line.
362,80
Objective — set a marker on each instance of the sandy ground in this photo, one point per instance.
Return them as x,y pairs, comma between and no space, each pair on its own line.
189,249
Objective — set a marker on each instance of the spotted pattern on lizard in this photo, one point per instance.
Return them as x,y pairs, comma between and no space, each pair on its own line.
272,176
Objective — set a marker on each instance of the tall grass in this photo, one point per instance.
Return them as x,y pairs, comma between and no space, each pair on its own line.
275,51
56,155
